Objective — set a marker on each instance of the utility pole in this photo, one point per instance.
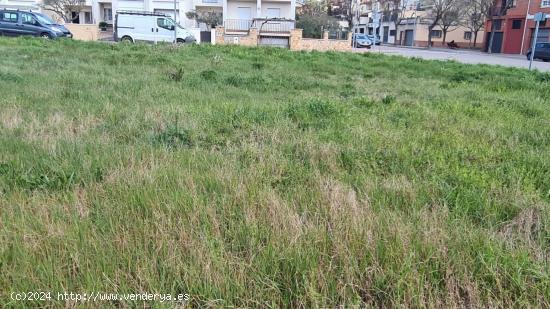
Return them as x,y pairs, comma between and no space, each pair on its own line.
538,18
525,27
175,22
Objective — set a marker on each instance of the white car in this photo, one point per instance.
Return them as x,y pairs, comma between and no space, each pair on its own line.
150,27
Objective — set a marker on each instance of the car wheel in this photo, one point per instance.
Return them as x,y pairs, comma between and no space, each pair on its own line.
126,39
545,60
45,35
180,41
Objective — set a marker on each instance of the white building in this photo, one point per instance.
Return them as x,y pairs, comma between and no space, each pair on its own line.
236,13
19,4
93,12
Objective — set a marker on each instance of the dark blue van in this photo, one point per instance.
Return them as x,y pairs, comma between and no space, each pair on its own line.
17,23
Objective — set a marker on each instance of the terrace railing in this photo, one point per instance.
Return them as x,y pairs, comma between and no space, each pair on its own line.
273,26
237,24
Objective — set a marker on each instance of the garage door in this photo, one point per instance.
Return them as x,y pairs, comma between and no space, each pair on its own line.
274,41
543,37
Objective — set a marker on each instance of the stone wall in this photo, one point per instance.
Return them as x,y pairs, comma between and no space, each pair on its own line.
296,41
249,39
84,32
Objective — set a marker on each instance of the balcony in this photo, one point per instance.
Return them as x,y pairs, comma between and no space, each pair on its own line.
208,2
282,26
273,26
237,25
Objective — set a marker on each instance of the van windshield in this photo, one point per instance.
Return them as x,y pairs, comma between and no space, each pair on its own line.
43,19
177,24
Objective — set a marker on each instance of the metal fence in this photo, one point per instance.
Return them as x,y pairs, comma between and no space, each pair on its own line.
273,26
237,24
338,35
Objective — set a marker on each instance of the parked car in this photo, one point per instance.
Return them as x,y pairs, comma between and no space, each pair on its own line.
360,40
542,52
18,23
374,39
150,27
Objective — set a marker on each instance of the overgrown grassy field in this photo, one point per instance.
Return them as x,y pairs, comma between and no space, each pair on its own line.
269,178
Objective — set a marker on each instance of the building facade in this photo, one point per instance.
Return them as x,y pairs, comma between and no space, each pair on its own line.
238,14
514,32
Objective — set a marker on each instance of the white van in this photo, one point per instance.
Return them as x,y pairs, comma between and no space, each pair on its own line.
133,26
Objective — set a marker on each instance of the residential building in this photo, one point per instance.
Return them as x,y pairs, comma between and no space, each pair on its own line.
20,4
376,17
513,32
409,27
414,31
239,14
93,11
236,14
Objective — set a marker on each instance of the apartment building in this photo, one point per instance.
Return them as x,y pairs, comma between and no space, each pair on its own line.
513,32
20,4
238,15
93,11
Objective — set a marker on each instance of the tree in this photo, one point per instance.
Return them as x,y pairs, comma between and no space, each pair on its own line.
475,16
450,20
395,10
313,19
496,10
437,9
64,8
210,18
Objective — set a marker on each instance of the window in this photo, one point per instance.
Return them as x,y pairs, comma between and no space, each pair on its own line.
467,35
88,17
28,19
107,14
273,12
392,32
9,17
165,23
497,24
545,3
244,13
437,33
516,24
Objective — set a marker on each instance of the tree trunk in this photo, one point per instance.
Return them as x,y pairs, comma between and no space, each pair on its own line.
430,28
444,36
475,38
395,36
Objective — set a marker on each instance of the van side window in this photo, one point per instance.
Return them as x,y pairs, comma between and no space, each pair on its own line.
164,23
9,17
28,19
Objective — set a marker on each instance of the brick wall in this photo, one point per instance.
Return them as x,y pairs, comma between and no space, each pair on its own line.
297,42
84,32
250,39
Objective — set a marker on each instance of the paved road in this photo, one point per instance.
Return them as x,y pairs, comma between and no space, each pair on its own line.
464,56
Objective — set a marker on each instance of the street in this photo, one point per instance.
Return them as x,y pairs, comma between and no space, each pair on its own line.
460,55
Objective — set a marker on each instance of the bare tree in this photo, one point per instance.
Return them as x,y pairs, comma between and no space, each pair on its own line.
395,10
437,9
496,10
64,8
450,20
210,18
475,16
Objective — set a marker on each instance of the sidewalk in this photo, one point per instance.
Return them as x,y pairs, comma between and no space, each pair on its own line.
460,55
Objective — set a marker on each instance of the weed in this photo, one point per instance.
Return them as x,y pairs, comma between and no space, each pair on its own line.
176,74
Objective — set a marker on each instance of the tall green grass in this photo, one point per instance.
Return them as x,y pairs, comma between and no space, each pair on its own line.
256,177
